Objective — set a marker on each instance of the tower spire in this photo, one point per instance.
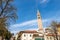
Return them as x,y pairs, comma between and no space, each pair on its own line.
40,26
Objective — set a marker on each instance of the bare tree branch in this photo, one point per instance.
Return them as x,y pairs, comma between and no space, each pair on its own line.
4,7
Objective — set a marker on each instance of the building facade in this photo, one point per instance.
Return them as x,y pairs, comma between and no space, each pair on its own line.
27,35
31,35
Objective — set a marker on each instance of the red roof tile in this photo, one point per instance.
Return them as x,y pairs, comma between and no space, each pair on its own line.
29,31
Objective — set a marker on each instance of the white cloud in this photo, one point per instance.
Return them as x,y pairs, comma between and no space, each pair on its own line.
16,31
30,23
44,1
24,23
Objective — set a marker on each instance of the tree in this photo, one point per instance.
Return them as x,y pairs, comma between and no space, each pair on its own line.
5,33
54,26
7,14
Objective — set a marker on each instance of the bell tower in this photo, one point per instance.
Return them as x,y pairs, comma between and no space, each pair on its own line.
39,20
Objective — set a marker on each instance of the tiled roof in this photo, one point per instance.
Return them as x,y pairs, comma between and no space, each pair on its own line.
29,31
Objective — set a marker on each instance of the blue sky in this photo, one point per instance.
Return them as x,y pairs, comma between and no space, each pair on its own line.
27,13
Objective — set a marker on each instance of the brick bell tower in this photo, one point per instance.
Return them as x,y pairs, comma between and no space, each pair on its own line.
39,20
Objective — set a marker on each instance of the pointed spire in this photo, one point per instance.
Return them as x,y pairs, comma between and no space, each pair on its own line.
40,26
38,13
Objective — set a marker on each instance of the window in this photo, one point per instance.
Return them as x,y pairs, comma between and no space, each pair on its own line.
50,38
47,38
30,35
24,35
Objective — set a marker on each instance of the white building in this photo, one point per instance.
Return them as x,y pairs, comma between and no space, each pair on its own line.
30,35
27,35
